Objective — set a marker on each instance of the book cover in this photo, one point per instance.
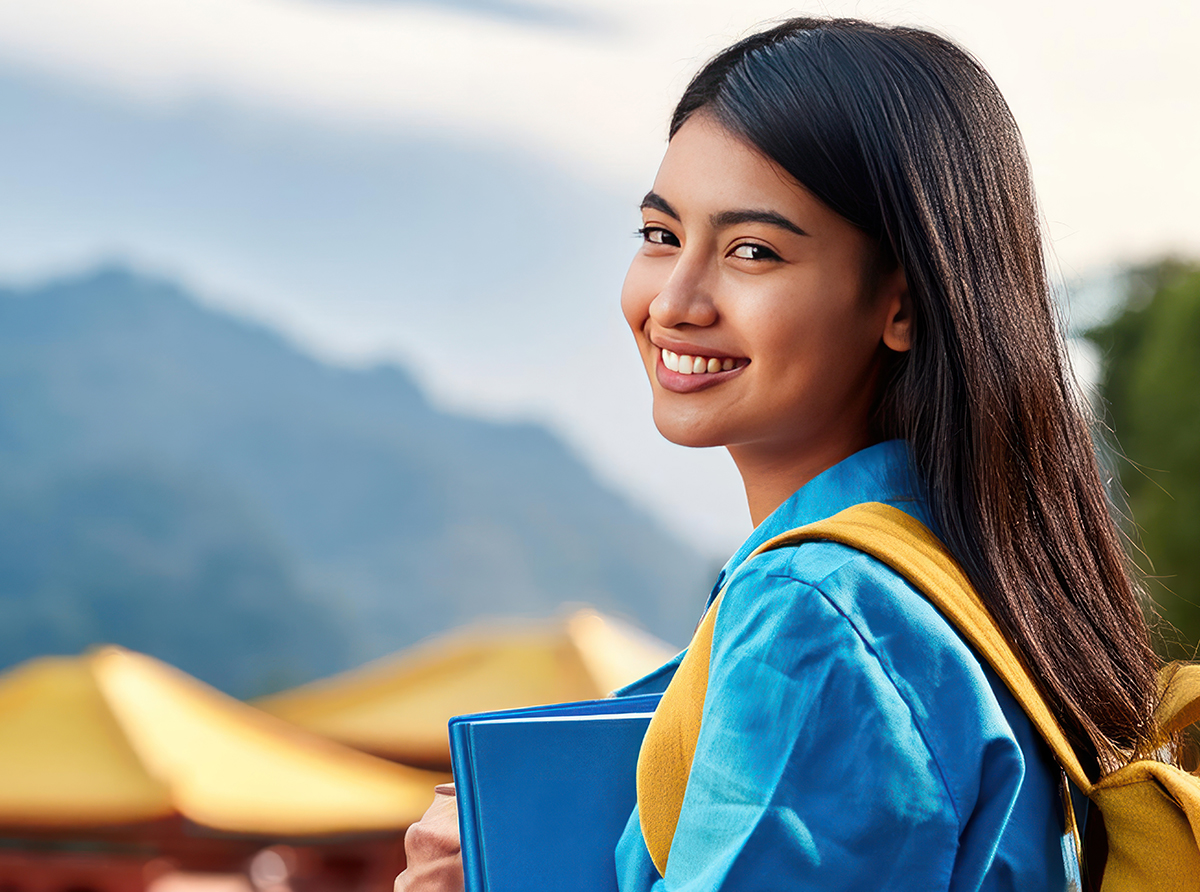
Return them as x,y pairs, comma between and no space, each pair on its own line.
544,793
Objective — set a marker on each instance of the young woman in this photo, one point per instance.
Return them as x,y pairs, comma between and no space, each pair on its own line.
842,282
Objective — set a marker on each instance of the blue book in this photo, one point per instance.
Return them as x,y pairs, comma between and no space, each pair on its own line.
544,793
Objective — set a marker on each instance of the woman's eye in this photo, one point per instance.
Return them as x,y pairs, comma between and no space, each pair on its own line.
752,251
656,235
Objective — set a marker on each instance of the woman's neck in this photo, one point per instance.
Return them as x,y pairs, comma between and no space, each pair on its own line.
770,477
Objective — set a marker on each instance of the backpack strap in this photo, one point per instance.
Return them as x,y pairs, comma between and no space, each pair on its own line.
669,745
1151,809
908,547
1179,698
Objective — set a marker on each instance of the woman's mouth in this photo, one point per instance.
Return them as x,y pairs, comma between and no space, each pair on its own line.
686,373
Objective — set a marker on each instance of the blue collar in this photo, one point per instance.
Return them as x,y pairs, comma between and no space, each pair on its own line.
880,473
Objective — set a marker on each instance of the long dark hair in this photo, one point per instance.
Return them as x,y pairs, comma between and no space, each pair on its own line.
906,136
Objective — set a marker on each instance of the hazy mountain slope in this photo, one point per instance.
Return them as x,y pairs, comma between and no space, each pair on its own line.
402,519
160,565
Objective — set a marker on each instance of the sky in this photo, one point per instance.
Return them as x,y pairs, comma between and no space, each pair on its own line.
453,185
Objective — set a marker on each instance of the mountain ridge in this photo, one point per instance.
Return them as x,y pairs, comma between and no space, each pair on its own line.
390,519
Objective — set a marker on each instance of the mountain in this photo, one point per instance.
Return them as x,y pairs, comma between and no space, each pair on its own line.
190,485
161,565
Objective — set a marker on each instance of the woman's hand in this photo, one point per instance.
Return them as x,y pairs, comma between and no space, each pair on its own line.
432,850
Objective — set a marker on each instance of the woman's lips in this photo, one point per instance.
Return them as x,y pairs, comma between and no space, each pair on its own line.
687,373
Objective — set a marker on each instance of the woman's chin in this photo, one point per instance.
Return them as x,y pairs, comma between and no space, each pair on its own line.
688,432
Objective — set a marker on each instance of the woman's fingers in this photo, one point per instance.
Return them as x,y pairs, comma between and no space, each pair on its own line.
432,850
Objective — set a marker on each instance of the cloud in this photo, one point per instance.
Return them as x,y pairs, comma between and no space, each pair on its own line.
545,15
581,93
587,85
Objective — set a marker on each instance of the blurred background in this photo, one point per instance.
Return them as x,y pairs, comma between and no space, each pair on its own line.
310,350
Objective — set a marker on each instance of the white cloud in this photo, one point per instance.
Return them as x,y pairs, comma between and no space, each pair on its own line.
574,93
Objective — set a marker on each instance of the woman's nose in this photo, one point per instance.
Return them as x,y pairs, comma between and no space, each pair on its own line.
685,298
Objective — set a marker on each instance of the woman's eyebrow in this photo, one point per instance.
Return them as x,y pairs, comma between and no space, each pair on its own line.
771,218
656,202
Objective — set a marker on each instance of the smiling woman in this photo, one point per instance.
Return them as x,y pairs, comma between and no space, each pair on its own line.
841,282
743,267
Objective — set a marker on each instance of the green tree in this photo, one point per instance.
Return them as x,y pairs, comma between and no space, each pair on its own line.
1151,385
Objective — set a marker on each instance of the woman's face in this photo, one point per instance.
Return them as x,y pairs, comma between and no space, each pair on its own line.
749,302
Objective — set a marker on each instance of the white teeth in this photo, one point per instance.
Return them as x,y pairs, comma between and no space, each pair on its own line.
685,364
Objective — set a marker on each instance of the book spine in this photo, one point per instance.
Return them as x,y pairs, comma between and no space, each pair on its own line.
468,807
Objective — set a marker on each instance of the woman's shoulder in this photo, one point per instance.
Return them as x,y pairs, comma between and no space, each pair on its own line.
830,586
822,607
846,659
862,643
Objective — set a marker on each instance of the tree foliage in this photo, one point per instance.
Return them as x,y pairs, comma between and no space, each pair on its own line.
1151,387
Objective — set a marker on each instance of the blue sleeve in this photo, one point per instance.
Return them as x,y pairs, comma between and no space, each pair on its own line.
812,771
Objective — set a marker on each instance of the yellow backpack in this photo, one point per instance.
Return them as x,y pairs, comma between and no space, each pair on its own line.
1151,810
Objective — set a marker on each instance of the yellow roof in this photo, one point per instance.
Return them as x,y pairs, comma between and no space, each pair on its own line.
116,737
398,707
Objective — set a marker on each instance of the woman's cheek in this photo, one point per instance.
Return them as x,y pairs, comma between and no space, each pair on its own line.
636,295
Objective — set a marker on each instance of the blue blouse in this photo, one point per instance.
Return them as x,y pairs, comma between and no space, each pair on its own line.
850,738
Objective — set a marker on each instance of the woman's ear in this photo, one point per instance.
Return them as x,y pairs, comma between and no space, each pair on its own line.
897,327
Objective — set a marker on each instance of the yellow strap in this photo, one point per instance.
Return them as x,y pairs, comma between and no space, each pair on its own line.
909,548
1179,698
665,760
